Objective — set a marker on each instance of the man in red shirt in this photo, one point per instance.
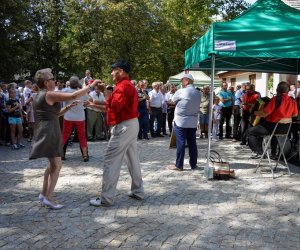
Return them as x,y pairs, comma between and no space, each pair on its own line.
279,107
122,112
248,101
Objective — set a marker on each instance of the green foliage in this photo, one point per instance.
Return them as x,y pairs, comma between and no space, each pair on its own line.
73,35
14,21
270,81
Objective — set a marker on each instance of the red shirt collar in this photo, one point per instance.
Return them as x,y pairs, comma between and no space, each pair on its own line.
125,78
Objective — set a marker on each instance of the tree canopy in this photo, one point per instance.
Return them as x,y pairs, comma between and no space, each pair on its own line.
71,36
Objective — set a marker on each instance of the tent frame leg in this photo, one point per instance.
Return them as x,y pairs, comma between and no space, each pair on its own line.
211,99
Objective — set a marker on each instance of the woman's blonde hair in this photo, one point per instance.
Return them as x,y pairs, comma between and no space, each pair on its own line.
41,76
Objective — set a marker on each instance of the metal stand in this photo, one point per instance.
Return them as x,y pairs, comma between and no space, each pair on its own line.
266,144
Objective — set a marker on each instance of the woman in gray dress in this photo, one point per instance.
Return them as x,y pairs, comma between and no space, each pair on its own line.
47,137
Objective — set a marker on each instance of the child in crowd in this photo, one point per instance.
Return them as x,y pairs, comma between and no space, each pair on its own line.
29,109
216,109
14,110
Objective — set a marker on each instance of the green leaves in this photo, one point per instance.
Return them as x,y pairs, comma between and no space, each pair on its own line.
73,35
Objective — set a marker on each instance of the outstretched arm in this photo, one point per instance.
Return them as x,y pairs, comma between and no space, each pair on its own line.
66,108
53,97
101,107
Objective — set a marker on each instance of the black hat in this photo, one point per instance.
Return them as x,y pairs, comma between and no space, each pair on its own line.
122,65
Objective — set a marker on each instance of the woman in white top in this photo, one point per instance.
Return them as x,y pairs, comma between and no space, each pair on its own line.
75,117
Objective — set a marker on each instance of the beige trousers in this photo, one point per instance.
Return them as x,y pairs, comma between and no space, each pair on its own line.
123,142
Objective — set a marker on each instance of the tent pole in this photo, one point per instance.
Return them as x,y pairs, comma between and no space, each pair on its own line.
298,71
211,100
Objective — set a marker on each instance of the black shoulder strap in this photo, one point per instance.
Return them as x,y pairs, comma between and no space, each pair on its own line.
277,102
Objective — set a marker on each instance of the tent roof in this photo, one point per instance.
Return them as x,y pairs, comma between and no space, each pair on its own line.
200,78
264,38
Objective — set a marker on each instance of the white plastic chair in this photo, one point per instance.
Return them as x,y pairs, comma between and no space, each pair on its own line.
267,141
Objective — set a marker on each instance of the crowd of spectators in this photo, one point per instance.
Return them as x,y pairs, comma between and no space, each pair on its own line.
232,107
17,111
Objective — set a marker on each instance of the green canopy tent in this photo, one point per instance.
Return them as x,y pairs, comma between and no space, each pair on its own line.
200,79
264,38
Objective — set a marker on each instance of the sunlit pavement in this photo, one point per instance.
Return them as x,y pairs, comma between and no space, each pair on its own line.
181,210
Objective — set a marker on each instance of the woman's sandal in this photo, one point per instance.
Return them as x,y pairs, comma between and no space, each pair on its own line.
85,158
51,205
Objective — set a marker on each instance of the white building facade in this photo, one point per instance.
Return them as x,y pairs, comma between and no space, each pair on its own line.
265,83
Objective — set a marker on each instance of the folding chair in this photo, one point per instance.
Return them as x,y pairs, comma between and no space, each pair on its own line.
281,143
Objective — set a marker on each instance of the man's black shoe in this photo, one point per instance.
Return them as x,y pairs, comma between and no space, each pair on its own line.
134,196
243,143
159,135
257,156
274,157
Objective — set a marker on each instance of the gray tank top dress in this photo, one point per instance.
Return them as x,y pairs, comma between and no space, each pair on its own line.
47,140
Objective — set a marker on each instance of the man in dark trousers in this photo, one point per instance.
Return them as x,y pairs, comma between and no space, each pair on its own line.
280,106
187,101
226,102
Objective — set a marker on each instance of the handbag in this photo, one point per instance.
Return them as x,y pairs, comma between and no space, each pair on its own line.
222,169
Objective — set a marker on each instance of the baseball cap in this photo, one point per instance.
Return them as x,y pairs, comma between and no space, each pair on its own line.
189,76
122,65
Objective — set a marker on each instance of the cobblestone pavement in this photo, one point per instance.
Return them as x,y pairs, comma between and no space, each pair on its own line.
181,209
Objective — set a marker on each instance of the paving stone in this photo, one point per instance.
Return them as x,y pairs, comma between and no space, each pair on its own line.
180,211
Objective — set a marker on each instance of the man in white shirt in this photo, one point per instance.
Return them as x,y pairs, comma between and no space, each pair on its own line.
187,102
164,107
94,116
237,111
156,101
170,106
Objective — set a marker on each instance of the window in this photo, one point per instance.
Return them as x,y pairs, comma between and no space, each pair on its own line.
252,79
233,82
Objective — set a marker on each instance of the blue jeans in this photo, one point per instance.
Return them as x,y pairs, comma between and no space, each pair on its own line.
143,123
155,113
225,117
189,135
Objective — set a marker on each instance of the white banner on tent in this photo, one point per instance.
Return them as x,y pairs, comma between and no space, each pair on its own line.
225,45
